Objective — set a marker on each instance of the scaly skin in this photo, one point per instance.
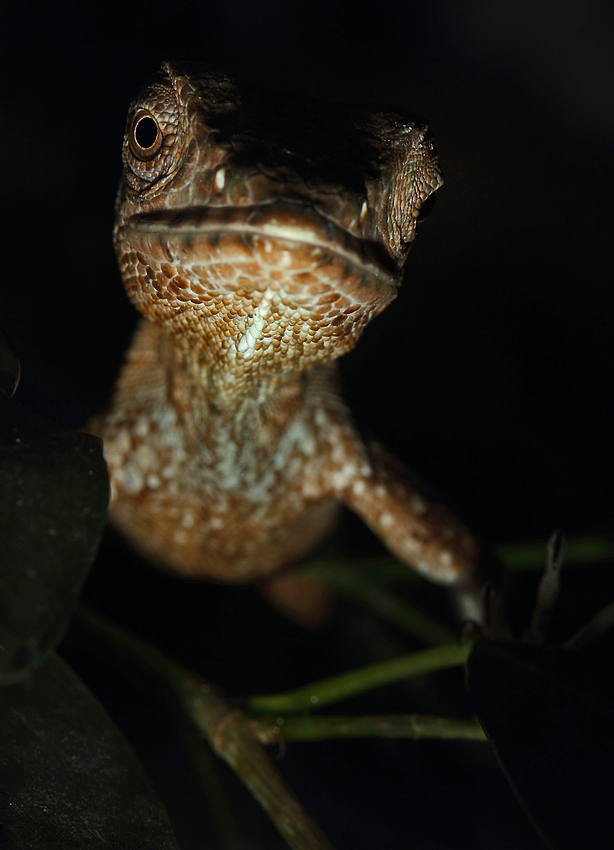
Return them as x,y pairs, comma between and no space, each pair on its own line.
257,253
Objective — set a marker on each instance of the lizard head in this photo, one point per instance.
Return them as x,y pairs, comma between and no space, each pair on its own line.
265,235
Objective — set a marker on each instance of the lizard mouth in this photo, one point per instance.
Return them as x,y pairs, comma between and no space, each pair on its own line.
276,278
284,236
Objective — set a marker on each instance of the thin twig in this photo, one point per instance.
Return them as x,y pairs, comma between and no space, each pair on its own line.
229,733
337,688
226,728
415,726
206,766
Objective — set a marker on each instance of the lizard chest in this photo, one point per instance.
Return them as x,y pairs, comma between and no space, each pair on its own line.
196,489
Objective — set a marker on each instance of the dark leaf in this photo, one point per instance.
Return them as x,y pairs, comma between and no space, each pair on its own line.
68,778
549,714
53,498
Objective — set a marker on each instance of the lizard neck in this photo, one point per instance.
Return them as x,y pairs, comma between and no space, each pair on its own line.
211,392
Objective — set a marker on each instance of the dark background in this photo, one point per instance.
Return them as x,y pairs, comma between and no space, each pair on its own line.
491,374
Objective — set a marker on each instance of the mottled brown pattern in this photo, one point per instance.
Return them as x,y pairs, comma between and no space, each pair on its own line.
257,253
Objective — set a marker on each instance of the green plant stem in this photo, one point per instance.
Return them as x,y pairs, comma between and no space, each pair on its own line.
579,550
416,726
353,584
226,728
363,679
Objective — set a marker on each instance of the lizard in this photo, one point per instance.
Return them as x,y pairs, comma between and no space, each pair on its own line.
257,242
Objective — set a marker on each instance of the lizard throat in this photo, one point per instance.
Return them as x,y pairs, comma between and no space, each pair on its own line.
263,289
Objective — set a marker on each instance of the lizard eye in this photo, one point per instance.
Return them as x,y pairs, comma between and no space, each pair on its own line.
427,207
154,143
145,136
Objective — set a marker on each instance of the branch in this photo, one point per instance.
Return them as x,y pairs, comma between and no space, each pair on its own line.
416,726
363,679
226,728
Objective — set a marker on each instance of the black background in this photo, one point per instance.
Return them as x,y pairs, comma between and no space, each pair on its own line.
491,374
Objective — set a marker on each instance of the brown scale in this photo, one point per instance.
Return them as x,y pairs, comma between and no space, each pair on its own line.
257,255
